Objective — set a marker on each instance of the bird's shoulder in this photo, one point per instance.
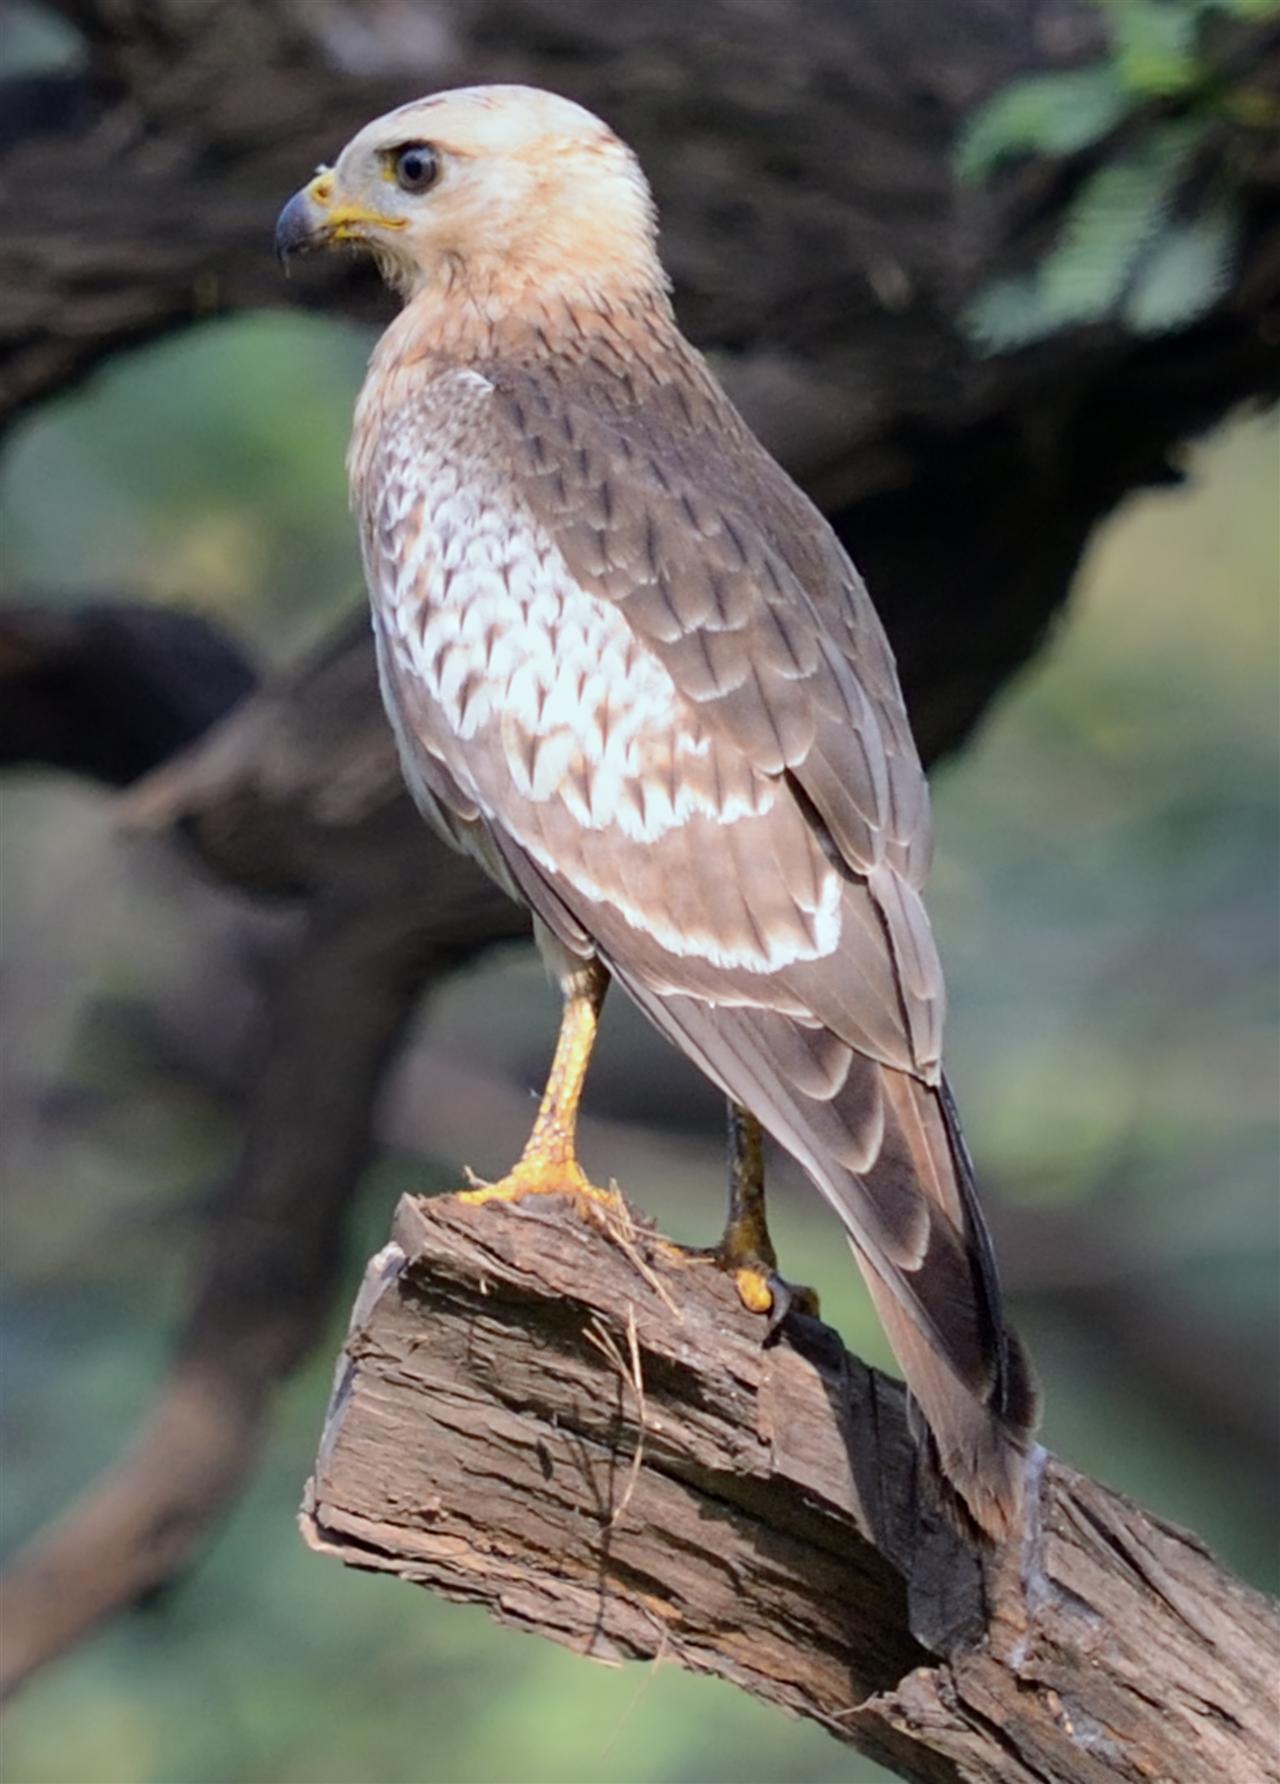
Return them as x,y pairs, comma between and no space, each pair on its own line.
661,499
702,745
640,476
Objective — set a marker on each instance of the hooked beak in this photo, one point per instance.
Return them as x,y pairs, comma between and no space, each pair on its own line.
299,227
312,220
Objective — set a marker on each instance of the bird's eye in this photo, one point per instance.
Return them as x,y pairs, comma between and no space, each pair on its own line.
416,167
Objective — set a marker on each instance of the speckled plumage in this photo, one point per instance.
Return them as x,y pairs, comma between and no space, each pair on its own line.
631,668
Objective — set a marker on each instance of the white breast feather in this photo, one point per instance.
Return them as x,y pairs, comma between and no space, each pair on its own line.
484,616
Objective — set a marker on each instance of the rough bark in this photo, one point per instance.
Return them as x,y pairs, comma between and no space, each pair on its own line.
556,1420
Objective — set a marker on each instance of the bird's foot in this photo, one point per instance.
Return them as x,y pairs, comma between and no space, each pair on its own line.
544,1174
755,1276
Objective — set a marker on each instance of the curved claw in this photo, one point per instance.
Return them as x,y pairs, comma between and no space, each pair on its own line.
760,1288
788,1298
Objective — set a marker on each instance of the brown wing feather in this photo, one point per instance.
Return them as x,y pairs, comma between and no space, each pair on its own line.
729,573
738,586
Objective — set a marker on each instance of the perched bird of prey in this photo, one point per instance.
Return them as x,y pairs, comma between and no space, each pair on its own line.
631,670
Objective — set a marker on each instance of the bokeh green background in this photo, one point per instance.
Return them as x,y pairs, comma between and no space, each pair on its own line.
1105,897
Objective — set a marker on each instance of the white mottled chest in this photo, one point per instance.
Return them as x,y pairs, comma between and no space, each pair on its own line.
503,647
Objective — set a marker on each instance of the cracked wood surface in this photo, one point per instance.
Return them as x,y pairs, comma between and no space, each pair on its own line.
574,1429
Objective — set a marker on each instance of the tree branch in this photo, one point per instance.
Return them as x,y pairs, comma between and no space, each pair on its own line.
263,1292
566,1426
109,689
297,793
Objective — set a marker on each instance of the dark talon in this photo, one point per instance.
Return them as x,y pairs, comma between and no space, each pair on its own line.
788,1298
783,1303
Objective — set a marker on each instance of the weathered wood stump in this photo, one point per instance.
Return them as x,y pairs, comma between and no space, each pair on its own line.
566,1424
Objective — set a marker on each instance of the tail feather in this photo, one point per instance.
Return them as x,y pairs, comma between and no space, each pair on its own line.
886,1150
979,1439
977,1452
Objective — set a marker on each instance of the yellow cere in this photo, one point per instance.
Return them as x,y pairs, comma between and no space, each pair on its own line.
344,218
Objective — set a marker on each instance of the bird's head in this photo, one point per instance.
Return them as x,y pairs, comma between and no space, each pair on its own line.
490,189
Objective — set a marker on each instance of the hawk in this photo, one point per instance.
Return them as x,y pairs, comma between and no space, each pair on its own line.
631,670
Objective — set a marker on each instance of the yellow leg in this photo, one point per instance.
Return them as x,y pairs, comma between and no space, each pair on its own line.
745,1249
549,1165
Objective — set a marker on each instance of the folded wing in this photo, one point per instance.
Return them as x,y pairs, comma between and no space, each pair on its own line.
631,668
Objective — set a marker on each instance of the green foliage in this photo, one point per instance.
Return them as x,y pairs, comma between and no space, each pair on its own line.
1186,273
1118,251
1251,10
1156,45
1116,216
1125,252
1047,114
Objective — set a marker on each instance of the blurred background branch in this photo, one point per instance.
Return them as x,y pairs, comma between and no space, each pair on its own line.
812,218
298,795
871,227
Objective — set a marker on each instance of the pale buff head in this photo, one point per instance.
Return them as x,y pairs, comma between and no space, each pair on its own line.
487,191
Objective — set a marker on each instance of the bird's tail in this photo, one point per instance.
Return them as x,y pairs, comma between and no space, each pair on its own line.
964,1364
886,1150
